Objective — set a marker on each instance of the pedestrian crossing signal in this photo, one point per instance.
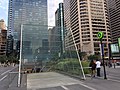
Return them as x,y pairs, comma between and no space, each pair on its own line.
100,35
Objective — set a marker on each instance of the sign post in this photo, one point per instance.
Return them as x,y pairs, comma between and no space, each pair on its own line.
100,36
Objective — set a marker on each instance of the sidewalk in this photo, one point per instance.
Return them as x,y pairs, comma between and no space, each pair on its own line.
50,80
13,85
99,83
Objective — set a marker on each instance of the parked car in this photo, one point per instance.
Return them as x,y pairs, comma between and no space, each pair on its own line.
118,63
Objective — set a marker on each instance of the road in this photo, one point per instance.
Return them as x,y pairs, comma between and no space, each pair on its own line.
5,76
111,83
56,81
113,74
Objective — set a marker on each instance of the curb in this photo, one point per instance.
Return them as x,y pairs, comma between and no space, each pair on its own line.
70,75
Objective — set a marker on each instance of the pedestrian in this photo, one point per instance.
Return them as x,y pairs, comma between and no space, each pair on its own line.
92,65
109,64
98,66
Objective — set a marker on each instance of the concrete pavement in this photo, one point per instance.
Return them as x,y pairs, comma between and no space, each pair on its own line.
56,81
9,78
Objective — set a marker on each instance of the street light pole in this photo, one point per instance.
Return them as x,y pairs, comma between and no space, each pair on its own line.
20,60
100,36
102,49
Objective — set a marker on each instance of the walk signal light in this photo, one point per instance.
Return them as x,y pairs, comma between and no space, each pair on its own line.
100,35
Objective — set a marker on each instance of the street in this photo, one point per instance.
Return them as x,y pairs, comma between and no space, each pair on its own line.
5,77
57,81
113,73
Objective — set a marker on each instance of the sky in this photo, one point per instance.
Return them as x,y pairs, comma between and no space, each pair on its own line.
52,7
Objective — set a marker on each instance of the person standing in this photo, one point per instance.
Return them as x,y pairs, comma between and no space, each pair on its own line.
98,66
92,65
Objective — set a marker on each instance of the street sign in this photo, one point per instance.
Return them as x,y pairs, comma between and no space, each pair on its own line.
100,35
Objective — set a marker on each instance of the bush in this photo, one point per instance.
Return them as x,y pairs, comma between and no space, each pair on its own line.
85,65
3,58
72,66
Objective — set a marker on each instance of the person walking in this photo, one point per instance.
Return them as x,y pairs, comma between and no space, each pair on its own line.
92,65
98,66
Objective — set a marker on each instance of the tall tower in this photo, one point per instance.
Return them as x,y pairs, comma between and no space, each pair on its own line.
3,37
2,24
85,18
26,12
114,15
10,18
59,23
31,17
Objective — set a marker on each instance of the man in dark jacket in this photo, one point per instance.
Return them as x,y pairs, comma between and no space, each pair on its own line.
93,68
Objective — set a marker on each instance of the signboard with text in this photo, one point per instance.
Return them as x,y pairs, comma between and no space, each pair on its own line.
114,48
119,42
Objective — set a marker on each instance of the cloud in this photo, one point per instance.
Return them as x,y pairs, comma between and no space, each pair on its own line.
4,10
4,4
52,7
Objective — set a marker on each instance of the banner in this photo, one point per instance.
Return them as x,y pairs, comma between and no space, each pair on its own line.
119,42
114,48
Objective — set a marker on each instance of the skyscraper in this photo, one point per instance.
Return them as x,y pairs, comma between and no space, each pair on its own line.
114,15
85,18
3,37
2,24
59,23
31,17
26,12
3,40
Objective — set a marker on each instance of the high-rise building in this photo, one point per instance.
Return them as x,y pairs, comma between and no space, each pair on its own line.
3,37
2,24
54,40
9,48
26,12
59,23
31,17
3,40
114,15
84,19
10,18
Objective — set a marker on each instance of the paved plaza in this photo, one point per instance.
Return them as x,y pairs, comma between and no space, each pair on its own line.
57,81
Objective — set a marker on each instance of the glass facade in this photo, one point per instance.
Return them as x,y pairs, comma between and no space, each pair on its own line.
26,12
59,22
41,50
41,43
35,42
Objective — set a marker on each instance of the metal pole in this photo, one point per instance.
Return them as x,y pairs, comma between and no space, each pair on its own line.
78,55
20,60
102,49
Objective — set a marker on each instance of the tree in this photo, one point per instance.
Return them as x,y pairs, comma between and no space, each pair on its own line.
3,58
93,57
12,58
83,55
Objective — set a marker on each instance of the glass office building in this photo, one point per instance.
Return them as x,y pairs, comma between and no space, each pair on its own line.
27,15
114,16
26,12
59,22
34,42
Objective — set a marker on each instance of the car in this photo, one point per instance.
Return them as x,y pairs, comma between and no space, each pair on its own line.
118,63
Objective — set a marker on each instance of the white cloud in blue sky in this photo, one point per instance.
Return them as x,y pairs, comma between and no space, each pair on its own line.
52,7
4,10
